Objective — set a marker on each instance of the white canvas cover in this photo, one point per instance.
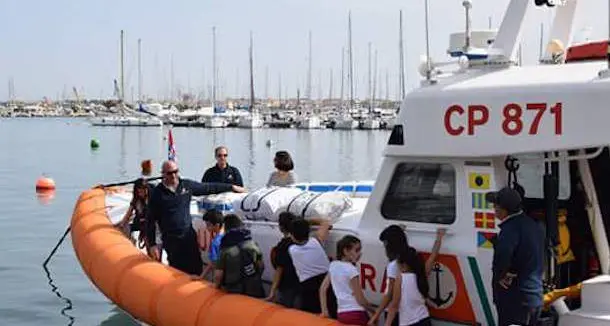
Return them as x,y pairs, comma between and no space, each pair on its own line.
265,204
329,205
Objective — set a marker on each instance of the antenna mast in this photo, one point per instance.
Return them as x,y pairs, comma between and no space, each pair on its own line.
370,81
428,62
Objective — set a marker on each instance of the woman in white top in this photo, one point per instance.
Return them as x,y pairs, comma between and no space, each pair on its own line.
310,261
284,175
395,242
344,277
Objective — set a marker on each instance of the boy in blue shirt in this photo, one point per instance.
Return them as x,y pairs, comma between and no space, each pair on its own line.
214,223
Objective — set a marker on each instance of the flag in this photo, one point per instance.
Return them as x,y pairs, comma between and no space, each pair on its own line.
486,239
483,220
478,181
479,202
171,150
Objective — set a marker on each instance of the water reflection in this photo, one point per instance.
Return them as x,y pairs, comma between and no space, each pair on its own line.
123,155
118,317
45,197
67,302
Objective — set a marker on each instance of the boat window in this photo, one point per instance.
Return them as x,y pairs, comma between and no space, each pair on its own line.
531,172
421,192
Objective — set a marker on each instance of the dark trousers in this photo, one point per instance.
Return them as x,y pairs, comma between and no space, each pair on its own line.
290,297
183,252
516,314
310,296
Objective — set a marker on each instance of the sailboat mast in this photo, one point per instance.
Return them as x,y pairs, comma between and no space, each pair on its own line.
330,87
308,90
342,74
251,75
541,41
387,85
370,95
214,70
266,82
122,94
279,88
140,70
351,66
374,80
401,60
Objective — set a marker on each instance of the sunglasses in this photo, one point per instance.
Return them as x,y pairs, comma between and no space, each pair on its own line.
222,155
171,172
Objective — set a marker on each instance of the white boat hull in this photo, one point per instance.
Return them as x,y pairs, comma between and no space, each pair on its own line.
216,122
310,123
251,121
370,124
346,124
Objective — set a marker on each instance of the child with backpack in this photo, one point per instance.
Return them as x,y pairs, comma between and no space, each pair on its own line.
240,265
344,277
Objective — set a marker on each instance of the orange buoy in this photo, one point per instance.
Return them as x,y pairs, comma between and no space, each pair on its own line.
44,183
158,294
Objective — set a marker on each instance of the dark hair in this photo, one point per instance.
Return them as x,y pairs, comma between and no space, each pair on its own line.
232,221
283,161
397,248
213,217
394,241
411,259
138,184
285,221
300,230
217,149
346,243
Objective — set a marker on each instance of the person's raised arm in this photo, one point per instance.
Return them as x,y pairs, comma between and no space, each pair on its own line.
209,188
440,233
395,303
323,290
324,227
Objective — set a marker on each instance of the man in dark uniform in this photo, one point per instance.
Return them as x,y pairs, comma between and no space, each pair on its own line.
169,206
517,262
222,171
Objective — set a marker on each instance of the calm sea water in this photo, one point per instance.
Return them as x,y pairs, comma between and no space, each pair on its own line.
59,148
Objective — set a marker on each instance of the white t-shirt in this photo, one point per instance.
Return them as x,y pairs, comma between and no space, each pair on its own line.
392,271
309,260
412,307
340,275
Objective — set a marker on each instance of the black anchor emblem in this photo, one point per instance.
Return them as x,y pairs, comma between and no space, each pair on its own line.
438,301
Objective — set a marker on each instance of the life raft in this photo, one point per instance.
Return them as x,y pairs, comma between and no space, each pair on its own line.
153,292
589,51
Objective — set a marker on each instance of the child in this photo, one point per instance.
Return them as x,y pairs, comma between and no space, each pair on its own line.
395,242
310,261
240,264
137,210
285,281
344,277
214,222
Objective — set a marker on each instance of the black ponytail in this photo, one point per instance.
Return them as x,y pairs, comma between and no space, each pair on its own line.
410,258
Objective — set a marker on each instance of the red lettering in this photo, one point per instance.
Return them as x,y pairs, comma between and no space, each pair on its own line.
473,120
556,111
512,124
367,274
448,127
540,108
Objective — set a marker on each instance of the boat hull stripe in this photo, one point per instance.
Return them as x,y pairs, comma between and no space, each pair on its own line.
476,275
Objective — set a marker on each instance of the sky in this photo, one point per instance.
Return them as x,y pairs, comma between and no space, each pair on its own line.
50,46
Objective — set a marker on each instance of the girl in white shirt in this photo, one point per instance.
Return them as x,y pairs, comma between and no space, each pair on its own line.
410,289
344,277
395,242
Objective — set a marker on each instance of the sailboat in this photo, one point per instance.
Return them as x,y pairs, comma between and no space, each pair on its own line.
309,120
254,119
127,117
214,120
345,120
371,122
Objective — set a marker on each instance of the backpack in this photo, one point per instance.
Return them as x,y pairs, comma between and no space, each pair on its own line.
248,266
251,283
